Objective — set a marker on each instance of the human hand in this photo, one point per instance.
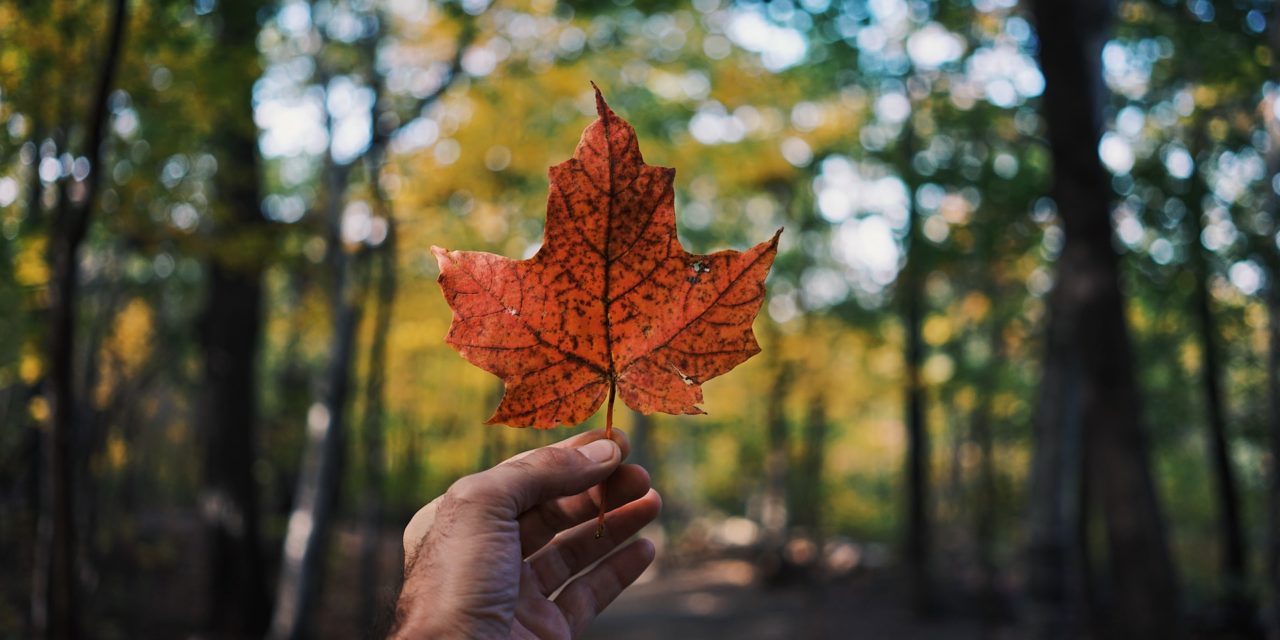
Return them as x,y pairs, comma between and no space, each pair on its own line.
483,560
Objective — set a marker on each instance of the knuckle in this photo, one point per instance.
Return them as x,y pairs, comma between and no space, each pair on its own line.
524,466
472,488
539,462
418,526
477,495
554,457
409,538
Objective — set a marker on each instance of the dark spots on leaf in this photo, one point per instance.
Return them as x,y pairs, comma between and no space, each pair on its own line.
611,296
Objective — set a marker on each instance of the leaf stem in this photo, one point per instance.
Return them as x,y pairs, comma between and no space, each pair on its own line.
608,433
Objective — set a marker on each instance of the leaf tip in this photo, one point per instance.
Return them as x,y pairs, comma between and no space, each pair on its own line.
601,106
773,242
442,256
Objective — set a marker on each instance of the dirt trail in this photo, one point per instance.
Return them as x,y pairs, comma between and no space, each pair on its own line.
721,600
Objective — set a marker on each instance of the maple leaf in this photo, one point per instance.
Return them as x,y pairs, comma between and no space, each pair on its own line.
611,298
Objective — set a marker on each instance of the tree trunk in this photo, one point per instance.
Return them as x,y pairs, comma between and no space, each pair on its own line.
1230,535
1273,429
918,543
372,441
1273,360
1055,578
92,422
814,462
55,610
384,259
985,509
375,403
316,499
775,510
1089,377
230,333
36,446
306,539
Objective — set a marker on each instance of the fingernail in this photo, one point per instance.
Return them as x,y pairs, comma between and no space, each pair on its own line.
599,450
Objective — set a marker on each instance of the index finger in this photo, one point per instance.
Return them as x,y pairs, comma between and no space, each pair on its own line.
579,439
425,517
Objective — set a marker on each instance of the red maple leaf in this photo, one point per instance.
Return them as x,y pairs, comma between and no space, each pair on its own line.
611,298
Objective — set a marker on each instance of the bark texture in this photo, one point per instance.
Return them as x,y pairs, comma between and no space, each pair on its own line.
230,333
55,606
1089,389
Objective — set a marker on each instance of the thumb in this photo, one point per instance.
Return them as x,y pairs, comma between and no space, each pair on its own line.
544,474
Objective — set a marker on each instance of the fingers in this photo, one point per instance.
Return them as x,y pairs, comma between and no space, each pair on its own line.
519,484
541,523
578,440
538,616
577,548
421,522
619,436
587,596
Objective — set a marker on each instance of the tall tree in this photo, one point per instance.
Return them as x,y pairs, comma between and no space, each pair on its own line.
1209,64
316,497
1230,532
1272,252
371,429
918,534
775,507
980,420
384,261
230,331
812,468
1089,388
56,612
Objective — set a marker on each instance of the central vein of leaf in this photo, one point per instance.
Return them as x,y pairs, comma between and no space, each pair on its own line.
608,260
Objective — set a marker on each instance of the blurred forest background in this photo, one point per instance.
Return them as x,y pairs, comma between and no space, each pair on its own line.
1021,343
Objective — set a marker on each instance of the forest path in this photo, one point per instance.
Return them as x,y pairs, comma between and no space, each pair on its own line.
720,599
701,598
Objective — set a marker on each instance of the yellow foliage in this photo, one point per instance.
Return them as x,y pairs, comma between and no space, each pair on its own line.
125,349
936,330
938,368
1205,96
1139,317
30,368
1218,128
1005,404
117,452
39,409
30,267
1133,12
132,336
873,448
975,307
1189,356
